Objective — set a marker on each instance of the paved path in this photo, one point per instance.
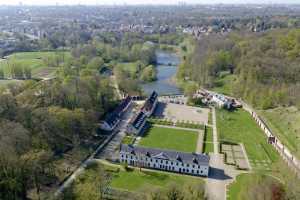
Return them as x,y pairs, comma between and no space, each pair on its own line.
175,127
199,148
215,133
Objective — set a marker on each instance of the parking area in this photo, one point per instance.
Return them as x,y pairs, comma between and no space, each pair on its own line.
177,112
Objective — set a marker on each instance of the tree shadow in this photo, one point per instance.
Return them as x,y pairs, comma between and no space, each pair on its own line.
159,110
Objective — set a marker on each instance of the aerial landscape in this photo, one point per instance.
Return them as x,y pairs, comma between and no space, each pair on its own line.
131,100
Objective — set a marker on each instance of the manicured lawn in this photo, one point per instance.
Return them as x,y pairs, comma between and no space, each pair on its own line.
239,127
35,60
170,138
137,180
208,145
285,124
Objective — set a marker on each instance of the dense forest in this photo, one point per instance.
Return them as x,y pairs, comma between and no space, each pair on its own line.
262,68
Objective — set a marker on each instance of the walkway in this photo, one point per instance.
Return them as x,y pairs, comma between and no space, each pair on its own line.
215,133
175,127
199,148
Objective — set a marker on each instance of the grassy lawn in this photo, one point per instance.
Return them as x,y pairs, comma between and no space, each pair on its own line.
35,60
285,123
170,138
238,190
137,180
239,127
224,84
208,139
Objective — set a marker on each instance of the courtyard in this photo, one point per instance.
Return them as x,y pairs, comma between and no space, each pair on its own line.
176,112
170,138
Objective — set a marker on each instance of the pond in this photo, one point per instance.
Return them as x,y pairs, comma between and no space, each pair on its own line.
167,64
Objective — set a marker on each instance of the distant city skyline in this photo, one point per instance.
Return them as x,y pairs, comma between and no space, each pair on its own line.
139,2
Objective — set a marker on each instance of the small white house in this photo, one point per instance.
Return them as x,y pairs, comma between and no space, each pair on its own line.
166,160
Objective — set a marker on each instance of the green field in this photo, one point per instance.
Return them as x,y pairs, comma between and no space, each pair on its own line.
138,180
35,60
239,190
239,127
208,141
285,124
170,138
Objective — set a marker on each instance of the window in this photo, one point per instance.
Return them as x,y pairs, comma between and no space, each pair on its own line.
167,162
177,164
187,171
173,168
122,155
161,161
126,156
193,166
183,170
156,161
187,165
192,171
151,159
171,163
131,157
197,171
201,172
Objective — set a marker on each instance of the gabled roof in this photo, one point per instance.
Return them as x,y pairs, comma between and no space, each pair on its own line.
162,156
150,101
137,120
190,158
113,117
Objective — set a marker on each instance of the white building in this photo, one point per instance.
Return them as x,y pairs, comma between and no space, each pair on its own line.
173,161
221,101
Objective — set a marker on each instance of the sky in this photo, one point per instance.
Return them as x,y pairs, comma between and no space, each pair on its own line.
112,2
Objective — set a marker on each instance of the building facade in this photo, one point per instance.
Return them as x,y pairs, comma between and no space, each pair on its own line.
166,160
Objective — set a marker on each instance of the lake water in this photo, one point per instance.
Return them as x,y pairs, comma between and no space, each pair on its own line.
167,64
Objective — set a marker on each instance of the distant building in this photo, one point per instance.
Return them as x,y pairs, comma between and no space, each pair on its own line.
166,160
221,101
150,104
112,119
137,123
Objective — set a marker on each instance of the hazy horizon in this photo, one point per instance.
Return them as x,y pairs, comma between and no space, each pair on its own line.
142,2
